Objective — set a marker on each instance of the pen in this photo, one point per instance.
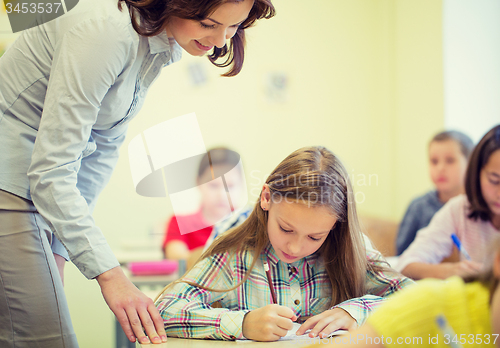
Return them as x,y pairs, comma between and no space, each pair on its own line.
460,247
301,320
270,282
446,329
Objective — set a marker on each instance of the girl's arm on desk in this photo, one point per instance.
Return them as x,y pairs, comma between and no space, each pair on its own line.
187,309
419,270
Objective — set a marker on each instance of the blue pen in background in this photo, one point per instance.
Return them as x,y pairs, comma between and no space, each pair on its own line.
446,329
460,246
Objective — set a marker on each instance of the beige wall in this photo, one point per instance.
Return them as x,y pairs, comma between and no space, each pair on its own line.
364,79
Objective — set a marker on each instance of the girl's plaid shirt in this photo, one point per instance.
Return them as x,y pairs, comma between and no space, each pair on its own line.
303,286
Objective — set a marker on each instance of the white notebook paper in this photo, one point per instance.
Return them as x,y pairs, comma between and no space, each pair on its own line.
290,336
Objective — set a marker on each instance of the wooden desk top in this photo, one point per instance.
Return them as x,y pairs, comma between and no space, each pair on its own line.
195,343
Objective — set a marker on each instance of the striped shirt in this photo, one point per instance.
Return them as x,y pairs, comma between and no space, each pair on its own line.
433,243
303,286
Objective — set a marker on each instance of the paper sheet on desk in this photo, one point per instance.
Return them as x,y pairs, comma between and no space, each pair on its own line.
291,336
151,345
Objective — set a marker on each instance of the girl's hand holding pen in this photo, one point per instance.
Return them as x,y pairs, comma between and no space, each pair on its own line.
327,322
268,323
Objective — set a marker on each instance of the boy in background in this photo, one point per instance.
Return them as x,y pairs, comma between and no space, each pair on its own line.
449,153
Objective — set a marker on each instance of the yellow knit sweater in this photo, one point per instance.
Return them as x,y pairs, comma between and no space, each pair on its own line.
409,317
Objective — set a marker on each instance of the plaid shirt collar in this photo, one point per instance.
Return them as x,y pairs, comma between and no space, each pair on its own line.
273,258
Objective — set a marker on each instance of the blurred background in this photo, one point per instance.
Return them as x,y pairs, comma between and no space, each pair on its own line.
372,80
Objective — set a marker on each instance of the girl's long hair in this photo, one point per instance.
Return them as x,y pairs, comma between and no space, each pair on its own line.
315,177
149,18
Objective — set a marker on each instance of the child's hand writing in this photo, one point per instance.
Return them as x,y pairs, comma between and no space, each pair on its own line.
327,322
268,323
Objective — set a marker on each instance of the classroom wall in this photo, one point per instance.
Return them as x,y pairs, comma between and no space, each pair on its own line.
471,75
363,77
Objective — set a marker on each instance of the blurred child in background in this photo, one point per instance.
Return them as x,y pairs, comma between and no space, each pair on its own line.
186,235
449,152
474,218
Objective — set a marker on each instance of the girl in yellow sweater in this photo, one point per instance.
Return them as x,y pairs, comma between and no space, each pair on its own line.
412,318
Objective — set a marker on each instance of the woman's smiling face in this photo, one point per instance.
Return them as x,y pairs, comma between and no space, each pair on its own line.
199,37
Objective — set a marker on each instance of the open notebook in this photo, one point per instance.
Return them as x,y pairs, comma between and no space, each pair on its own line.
290,336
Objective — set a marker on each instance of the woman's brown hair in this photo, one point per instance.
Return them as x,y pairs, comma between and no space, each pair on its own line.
480,156
149,18
313,176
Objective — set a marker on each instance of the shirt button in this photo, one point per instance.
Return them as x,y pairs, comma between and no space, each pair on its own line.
293,269
297,302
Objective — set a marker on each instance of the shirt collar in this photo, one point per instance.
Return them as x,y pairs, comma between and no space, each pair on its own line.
160,43
274,259
435,199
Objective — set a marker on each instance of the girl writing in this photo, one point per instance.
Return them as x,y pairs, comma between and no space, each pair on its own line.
474,218
305,228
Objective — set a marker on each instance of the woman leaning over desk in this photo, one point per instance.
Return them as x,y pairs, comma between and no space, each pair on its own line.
68,89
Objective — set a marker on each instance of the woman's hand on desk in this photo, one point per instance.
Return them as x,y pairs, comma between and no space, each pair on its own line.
327,322
268,323
132,308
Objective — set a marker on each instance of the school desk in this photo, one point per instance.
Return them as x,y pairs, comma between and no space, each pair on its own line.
196,343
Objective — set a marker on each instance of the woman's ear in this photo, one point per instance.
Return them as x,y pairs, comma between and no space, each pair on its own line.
265,197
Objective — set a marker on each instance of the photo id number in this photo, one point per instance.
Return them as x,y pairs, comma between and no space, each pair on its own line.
27,7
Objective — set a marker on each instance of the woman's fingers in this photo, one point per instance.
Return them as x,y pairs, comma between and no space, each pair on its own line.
135,323
122,318
145,325
158,322
132,308
148,325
